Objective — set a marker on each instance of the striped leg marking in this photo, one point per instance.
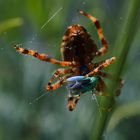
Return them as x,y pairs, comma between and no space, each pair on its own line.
44,57
57,85
101,66
103,50
72,102
58,74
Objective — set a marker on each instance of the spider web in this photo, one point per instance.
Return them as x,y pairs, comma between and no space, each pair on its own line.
35,36
38,98
42,27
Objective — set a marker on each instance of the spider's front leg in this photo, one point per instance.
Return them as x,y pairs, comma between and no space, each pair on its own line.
101,66
58,74
44,57
72,100
57,85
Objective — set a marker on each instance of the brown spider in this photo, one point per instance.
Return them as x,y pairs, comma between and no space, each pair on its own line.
77,50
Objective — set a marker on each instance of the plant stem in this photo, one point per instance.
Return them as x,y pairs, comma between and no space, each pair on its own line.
122,46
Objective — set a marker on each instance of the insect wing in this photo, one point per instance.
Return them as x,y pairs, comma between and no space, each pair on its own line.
77,82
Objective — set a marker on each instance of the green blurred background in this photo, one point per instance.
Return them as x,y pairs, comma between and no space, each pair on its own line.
23,78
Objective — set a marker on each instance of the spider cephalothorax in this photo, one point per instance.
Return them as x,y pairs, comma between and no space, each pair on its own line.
77,50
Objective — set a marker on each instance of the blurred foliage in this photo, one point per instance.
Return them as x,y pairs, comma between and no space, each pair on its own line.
11,23
123,44
23,78
124,111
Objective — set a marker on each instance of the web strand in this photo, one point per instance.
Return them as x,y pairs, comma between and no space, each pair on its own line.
42,27
38,98
95,98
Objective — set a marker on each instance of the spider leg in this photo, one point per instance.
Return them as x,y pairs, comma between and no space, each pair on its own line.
44,57
109,76
58,73
92,66
106,75
57,85
119,87
100,88
72,102
103,50
106,63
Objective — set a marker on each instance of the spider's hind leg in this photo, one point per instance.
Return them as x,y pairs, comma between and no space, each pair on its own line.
101,88
103,50
120,82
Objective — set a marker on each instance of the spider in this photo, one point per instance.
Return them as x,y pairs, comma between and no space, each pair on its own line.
77,50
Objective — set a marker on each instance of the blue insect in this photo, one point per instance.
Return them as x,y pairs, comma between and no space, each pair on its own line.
78,85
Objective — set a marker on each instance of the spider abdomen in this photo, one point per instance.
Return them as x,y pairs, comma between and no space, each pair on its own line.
77,45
